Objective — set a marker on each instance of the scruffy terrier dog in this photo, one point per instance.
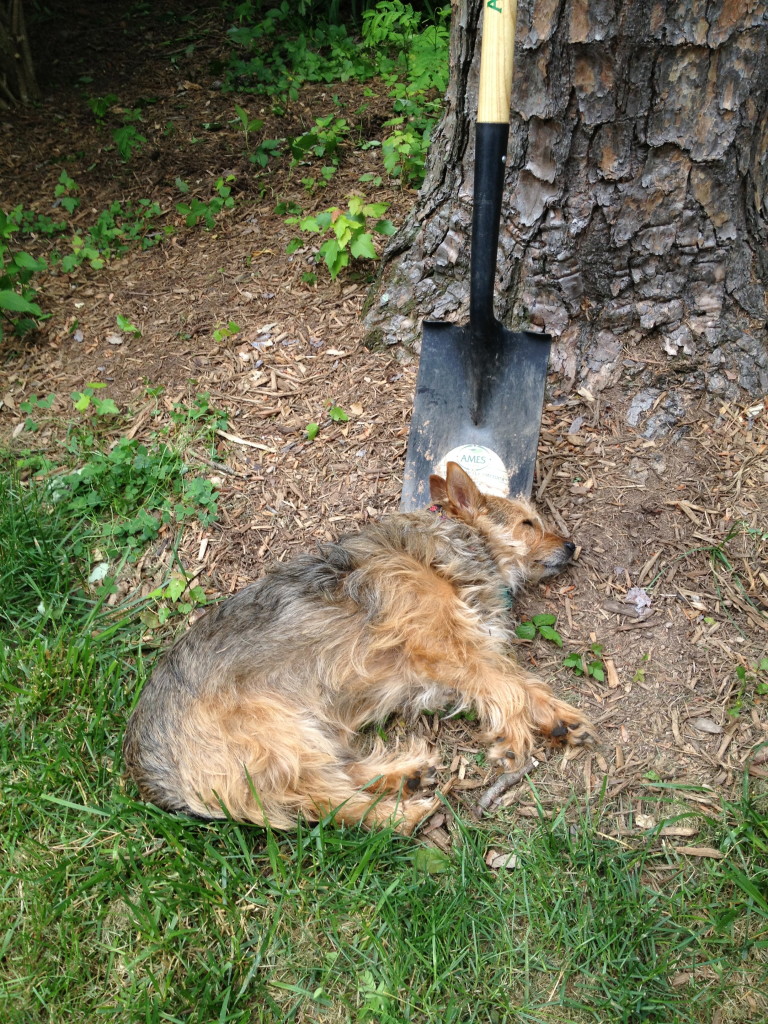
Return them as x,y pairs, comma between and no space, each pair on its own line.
255,712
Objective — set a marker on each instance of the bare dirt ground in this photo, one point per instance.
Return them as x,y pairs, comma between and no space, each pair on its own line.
674,514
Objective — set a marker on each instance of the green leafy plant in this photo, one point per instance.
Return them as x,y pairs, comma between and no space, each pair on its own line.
322,141
115,232
277,51
418,77
404,152
126,326
18,308
100,105
337,414
351,234
33,405
390,23
540,625
587,665
88,398
371,178
197,210
131,491
752,681
229,330
64,192
247,124
286,207
127,137
639,676
265,151
176,597
199,415
280,49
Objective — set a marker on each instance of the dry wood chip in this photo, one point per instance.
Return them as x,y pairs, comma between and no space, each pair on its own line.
440,838
759,754
241,440
681,978
436,821
611,674
504,861
706,725
679,831
700,851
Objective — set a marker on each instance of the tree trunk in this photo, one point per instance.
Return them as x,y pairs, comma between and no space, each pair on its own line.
17,72
636,206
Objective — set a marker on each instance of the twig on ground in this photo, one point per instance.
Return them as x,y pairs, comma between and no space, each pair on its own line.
501,786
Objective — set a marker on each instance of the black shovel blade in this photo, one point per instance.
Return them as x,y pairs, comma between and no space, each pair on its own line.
493,436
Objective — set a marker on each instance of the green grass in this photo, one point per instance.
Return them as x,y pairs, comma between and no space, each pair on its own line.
112,910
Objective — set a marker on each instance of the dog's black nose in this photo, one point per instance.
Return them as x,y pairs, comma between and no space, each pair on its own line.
570,547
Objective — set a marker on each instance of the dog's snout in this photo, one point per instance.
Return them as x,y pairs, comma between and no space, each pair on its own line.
570,547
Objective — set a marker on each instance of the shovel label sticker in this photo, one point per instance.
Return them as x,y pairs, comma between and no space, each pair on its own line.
482,464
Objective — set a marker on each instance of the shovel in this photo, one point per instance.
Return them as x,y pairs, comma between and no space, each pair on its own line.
480,388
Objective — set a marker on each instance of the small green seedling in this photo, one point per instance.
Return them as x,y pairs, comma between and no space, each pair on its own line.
247,123
35,404
287,208
322,141
753,681
639,676
171,596
228,331
337,414
200,414
197,210
63,192
88,399
540,625
127,327
265,150
584,665
351,235
100,105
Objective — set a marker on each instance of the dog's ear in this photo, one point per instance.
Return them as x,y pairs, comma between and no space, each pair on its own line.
438,489
462,491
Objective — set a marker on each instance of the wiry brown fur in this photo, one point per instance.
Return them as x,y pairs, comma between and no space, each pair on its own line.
255,712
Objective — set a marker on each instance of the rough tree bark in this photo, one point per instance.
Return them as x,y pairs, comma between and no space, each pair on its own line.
636,214
18,83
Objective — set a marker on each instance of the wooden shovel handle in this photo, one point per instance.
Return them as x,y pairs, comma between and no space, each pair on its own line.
497,61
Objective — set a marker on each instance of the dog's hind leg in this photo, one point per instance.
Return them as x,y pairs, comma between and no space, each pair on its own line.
336,796
405,768
262,760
